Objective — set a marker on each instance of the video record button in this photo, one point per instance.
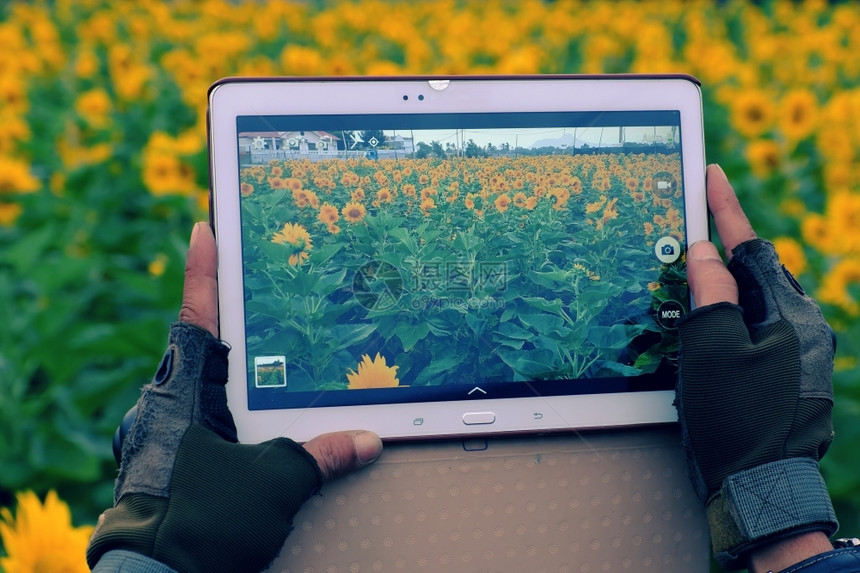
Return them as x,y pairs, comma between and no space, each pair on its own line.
475,418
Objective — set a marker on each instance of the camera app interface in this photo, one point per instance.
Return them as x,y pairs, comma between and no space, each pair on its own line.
413,257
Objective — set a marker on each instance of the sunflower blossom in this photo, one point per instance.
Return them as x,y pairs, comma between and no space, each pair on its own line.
328,214
353,212
296,237
41,537
372,374
752,112
791,254
15,177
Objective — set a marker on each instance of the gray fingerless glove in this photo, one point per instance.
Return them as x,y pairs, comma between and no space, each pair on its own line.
187,494
754,399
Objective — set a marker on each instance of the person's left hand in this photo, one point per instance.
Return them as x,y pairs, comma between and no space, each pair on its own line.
188,495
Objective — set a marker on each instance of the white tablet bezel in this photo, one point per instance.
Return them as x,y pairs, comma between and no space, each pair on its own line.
235,97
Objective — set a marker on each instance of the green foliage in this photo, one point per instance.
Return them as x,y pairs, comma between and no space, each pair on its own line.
84,325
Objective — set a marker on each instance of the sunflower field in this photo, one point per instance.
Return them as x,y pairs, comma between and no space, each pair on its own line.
103,170
516,238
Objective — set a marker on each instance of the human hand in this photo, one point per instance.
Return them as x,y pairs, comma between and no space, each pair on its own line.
754,394
187,494
336,453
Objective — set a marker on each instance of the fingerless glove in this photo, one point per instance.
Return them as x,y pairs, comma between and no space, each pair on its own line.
754,399
187,494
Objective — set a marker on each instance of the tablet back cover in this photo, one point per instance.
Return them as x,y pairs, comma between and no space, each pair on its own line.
615,500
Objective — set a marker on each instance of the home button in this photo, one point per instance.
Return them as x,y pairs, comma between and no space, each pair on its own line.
474,418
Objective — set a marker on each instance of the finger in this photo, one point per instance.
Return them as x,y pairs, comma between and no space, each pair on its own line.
708,277
200,294
732,224
339,453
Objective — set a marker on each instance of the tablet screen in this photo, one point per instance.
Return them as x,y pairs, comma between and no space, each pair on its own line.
430,257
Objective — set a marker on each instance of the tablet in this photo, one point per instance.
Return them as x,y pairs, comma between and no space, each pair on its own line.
427,257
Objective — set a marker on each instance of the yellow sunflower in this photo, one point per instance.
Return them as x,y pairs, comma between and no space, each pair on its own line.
610,212
293,184
520,199
9,212
384,195
561,196
296,237
353,212
763,156
94,106
752,112
15,177
579,270
41,537
372,374
791,254
304,198
502,202
427,205
798,114
328,214
838,174
843,217
817,232
165,174
596,205
834,289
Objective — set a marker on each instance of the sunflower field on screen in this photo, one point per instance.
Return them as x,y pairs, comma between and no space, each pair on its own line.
103,170
518,238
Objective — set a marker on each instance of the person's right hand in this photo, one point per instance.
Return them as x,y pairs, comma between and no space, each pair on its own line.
188,495
337,453
754,394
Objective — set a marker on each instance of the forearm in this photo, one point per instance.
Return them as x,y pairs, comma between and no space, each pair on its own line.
784,553
843,560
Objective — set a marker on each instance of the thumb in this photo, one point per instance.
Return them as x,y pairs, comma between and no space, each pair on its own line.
708,277
200,293
339,453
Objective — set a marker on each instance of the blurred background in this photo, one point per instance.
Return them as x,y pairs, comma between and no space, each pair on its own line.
103,170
